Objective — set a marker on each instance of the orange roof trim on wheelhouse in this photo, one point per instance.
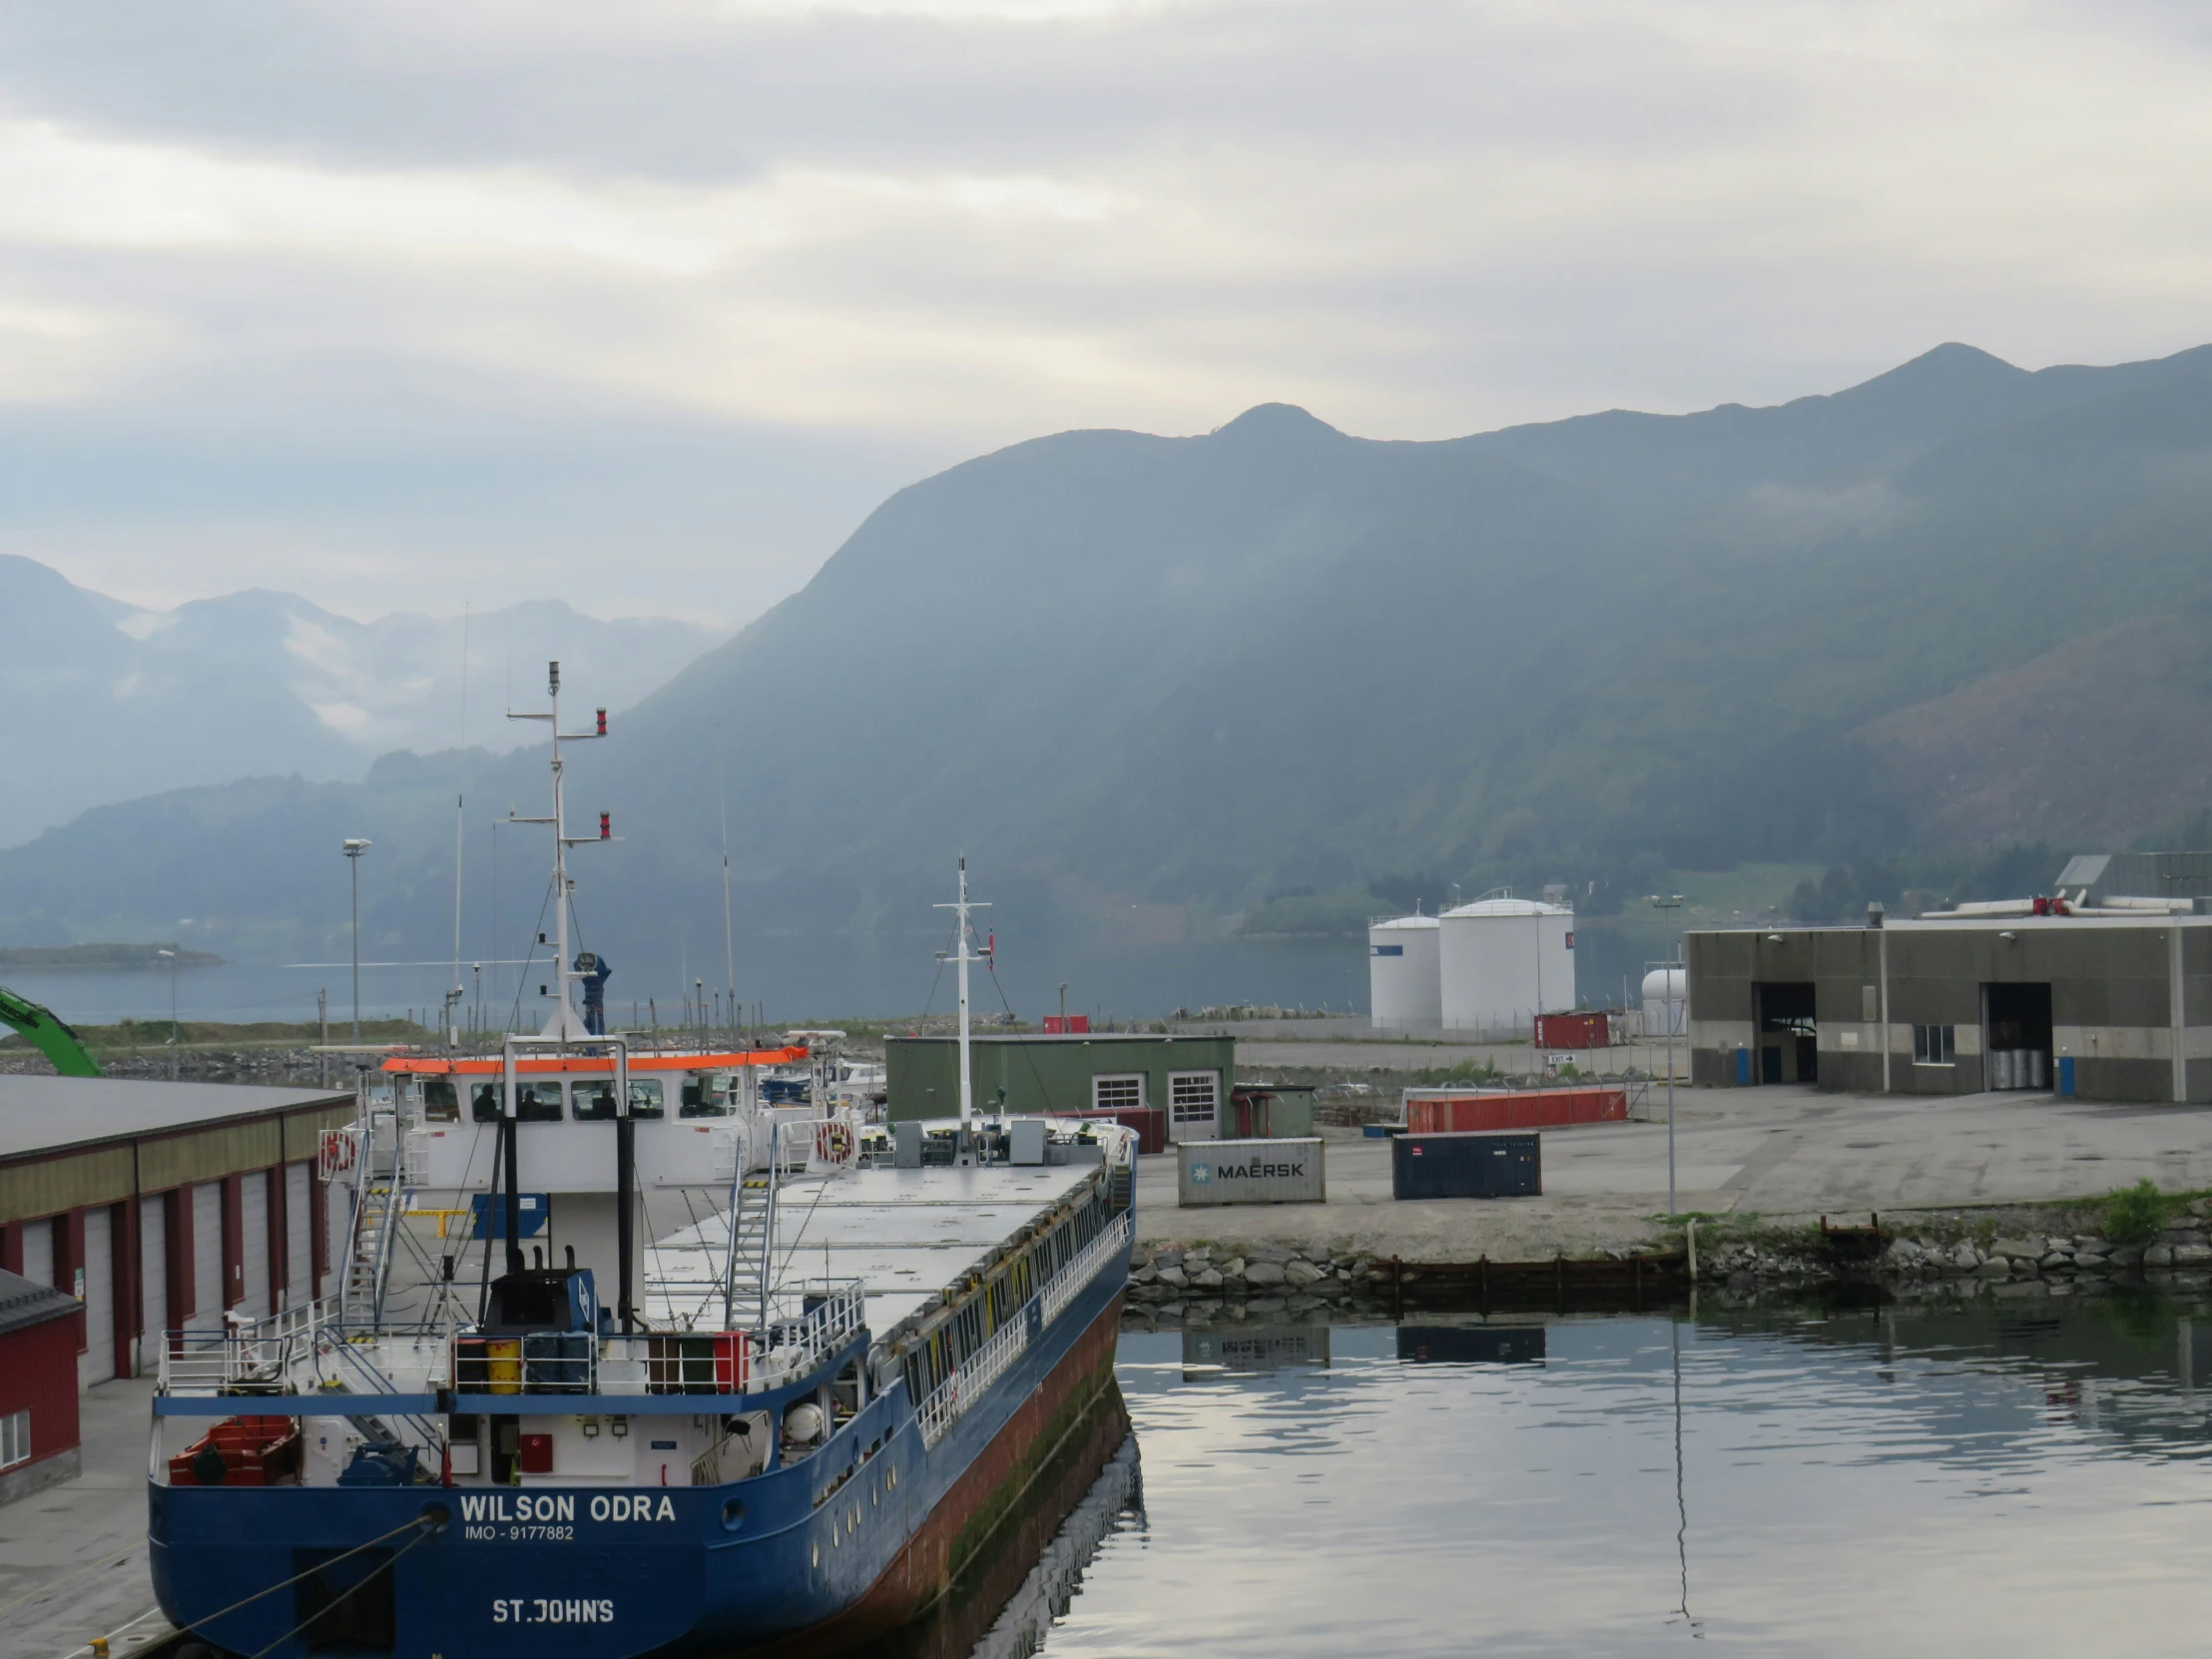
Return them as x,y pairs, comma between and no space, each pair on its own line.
430,1065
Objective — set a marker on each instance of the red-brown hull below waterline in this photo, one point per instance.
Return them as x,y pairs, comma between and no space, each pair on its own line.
925,1569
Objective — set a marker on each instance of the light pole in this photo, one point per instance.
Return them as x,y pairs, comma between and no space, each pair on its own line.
354,847
1666,908
171,955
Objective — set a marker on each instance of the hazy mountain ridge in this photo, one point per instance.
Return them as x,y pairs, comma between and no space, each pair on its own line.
1195,671
114,702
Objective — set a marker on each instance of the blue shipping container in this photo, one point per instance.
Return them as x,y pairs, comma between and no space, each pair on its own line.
1468,1166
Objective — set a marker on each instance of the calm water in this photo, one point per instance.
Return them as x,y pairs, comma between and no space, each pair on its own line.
1896,1481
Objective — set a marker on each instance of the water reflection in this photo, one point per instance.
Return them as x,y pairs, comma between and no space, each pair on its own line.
1907,1479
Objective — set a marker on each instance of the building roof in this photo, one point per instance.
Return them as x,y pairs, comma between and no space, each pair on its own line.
1415,922
40,1114
25,1302
1071,1038
1511,908
1938,923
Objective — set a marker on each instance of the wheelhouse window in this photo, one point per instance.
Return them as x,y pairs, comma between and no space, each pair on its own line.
441,1101
1118,1094
645,1097
1194,1096
1935,1046
592,1100
538,1101
705,1096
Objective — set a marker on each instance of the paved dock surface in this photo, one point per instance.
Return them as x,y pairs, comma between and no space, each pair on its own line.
73,1557
1782,1152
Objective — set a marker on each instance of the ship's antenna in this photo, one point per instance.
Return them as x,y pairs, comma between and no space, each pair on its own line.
728,945
461,825
963,939
562,1021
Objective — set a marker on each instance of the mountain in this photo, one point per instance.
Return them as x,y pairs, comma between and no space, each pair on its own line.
1149,682
396,681
94,715
108,701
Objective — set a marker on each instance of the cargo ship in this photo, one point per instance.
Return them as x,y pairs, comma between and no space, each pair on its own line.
839,1354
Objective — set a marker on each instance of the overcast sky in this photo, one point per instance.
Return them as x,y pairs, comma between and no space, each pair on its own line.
646,306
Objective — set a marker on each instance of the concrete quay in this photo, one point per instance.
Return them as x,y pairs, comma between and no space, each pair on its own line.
1786,1154
73,1556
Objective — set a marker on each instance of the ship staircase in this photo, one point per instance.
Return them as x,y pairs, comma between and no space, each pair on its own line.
379,1205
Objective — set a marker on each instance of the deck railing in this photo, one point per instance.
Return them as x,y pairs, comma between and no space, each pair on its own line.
973,1377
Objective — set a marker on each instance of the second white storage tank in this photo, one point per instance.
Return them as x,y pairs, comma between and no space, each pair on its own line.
1405,992
1503,961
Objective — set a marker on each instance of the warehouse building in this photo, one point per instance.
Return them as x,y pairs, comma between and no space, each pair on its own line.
2113,1006
1184,1079
161,1206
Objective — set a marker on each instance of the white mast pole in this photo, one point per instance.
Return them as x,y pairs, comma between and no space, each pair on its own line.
560,858
962,956
968,1085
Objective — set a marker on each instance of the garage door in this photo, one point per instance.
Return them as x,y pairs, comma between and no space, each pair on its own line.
154,1276
298,1239
253,1245
38,1252
96,1362
207,1258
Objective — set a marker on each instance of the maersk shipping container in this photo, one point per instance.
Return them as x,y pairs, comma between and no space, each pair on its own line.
1250,1171
1466,1166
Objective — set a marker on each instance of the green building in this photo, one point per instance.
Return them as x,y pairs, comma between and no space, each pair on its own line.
1188,1078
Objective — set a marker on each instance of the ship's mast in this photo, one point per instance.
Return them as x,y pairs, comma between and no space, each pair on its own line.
963,955
564,1021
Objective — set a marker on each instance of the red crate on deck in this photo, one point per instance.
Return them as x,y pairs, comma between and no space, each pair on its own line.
254,1451
1066,1025
1592,1031
1459,1112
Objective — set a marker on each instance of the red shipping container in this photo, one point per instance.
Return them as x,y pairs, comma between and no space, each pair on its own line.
1592,1031
1447,1113
1066,1025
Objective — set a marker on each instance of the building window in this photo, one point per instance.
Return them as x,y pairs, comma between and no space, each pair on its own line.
1194,1096
1935,1046
1118,1094
15,1439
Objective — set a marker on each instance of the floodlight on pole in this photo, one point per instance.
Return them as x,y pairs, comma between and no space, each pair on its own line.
1666,905
354,847
171,955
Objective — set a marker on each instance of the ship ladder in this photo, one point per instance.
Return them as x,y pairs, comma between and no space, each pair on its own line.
378,1207
752,1224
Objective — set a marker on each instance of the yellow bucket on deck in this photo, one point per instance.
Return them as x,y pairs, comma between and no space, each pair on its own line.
503,1366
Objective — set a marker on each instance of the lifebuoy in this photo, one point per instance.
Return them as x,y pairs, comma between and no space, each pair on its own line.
336,1153
833,1142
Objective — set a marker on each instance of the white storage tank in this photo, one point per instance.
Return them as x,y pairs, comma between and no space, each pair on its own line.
1405,992
1501,961
1666,1001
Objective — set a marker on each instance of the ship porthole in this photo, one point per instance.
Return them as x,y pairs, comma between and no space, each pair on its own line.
733,1515
818,1552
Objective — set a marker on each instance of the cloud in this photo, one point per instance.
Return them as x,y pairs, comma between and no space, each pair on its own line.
450,241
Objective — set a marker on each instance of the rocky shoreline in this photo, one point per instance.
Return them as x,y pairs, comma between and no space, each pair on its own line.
2013,1253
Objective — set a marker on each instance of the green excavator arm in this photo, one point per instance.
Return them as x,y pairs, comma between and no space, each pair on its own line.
48,1036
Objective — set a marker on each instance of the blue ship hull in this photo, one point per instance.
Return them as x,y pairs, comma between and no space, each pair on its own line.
552,1572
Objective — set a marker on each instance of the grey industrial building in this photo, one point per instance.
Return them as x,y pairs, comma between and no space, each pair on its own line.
2106,1007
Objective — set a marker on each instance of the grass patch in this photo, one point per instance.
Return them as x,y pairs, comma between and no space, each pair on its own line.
2137,1214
